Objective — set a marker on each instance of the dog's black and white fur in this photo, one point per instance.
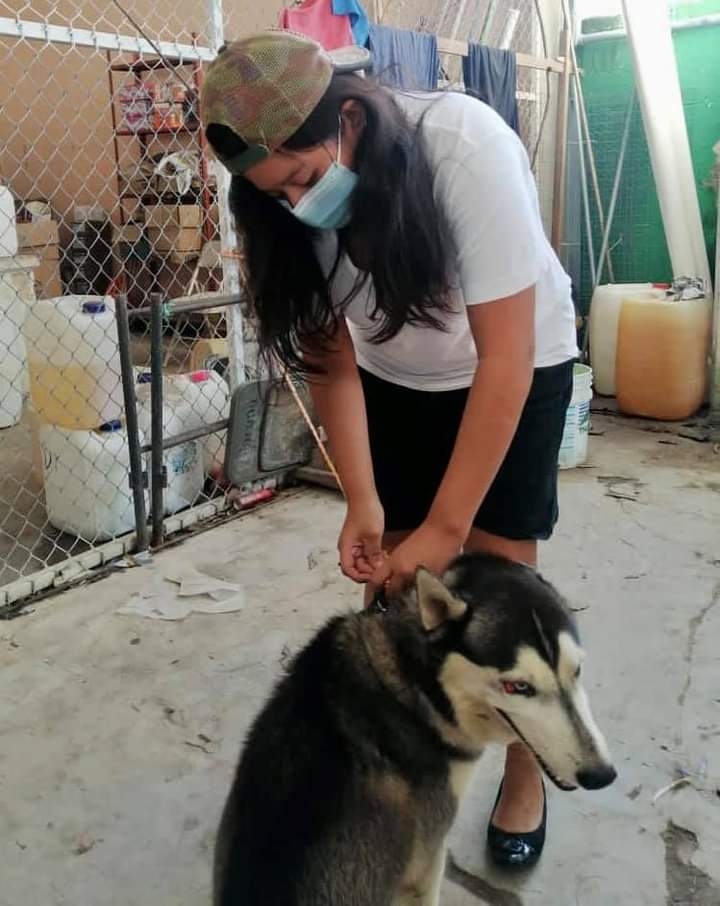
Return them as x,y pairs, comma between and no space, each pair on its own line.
352,773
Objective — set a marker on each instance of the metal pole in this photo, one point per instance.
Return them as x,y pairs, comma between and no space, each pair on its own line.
586,128
615,190
228,237
508,33
489,15
458,18
585,195
137,473
194,304
559,180
157,468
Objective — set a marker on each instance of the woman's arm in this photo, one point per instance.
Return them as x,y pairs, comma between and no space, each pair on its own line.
504,336
340,404
503,332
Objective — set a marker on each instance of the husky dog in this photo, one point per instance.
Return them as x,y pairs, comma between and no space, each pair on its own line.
352,773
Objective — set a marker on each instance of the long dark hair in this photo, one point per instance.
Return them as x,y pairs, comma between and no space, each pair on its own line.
396,234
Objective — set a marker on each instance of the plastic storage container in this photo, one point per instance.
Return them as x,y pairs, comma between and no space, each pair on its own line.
604,314
8,230
184,463
74,362
17,294
208,398
574,444
662,357
87,491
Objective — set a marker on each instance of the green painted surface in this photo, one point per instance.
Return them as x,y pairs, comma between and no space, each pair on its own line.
607,83
694,8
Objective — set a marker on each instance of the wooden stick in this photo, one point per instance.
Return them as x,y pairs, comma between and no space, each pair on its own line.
313,430
461,49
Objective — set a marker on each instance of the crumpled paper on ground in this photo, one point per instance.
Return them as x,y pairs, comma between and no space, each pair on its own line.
182,592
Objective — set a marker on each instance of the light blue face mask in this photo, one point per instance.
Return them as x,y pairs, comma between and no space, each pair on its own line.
328,204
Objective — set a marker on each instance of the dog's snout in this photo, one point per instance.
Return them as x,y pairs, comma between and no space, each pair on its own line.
596,778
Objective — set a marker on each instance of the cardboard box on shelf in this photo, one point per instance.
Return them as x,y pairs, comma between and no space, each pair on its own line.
41,239
183,216
38,234
127,232
175,239
47,279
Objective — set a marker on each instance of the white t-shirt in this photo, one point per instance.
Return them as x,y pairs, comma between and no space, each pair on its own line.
484,186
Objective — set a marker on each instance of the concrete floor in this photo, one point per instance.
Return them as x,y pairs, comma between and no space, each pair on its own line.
118,734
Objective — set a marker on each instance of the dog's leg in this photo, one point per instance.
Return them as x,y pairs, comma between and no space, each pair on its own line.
427,893
432,894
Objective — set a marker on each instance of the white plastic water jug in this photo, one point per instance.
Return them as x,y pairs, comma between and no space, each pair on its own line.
183,463
74,362
604,314
87,481
208,398
574,444
8,229
17,294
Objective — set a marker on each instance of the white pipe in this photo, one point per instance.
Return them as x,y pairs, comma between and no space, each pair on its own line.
658,89
679,25
100,40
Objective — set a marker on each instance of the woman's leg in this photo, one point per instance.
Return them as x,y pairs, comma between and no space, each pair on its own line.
520,808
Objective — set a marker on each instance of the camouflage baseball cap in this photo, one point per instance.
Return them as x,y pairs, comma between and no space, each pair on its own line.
264,88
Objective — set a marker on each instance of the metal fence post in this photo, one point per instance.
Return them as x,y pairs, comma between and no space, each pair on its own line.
157,467
138,481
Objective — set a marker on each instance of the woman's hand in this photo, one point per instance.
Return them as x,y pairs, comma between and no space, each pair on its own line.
430,545
360,543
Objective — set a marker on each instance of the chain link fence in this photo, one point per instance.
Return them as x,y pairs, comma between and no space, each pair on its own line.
107,176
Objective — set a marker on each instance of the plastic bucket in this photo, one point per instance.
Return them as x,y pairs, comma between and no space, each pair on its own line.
573,448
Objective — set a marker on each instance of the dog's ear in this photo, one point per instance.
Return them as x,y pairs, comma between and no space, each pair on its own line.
436,602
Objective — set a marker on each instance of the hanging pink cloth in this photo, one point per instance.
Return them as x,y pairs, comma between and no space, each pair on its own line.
316,19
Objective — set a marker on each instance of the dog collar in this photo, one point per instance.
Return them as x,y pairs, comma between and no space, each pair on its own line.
379,603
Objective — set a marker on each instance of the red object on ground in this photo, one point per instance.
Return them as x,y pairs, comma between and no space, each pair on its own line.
252,499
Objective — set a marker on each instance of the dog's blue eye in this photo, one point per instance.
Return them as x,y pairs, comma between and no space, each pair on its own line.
518,688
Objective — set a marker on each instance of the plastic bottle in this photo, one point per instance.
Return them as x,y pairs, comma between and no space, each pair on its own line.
17,294
604,314
574,444
183,463
662,356
8,230
87,492
208,398
74,361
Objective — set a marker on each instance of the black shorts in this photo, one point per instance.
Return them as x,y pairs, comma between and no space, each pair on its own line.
412,434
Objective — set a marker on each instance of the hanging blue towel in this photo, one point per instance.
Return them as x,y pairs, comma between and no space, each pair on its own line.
404,59
491,75
358,19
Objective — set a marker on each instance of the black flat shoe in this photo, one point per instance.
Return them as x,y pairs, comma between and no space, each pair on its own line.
516,850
